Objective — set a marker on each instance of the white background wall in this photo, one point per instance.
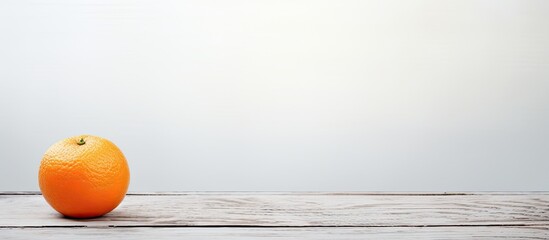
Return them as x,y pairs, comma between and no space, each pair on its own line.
283,95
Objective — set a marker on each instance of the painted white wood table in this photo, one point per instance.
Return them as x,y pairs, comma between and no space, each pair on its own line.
301,215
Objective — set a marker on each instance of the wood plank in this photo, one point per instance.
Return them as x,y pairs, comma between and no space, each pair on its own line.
279,233
293,210
306,193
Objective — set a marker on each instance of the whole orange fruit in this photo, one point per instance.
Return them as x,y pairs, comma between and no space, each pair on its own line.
84,176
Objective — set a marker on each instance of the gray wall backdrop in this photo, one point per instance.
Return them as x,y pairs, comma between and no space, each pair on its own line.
283,95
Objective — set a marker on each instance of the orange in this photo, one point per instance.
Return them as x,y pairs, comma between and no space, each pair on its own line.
84,176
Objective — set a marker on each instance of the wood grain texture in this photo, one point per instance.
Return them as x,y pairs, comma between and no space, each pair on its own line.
292,210
327,233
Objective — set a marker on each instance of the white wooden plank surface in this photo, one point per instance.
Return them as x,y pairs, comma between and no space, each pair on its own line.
293,210
328,233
